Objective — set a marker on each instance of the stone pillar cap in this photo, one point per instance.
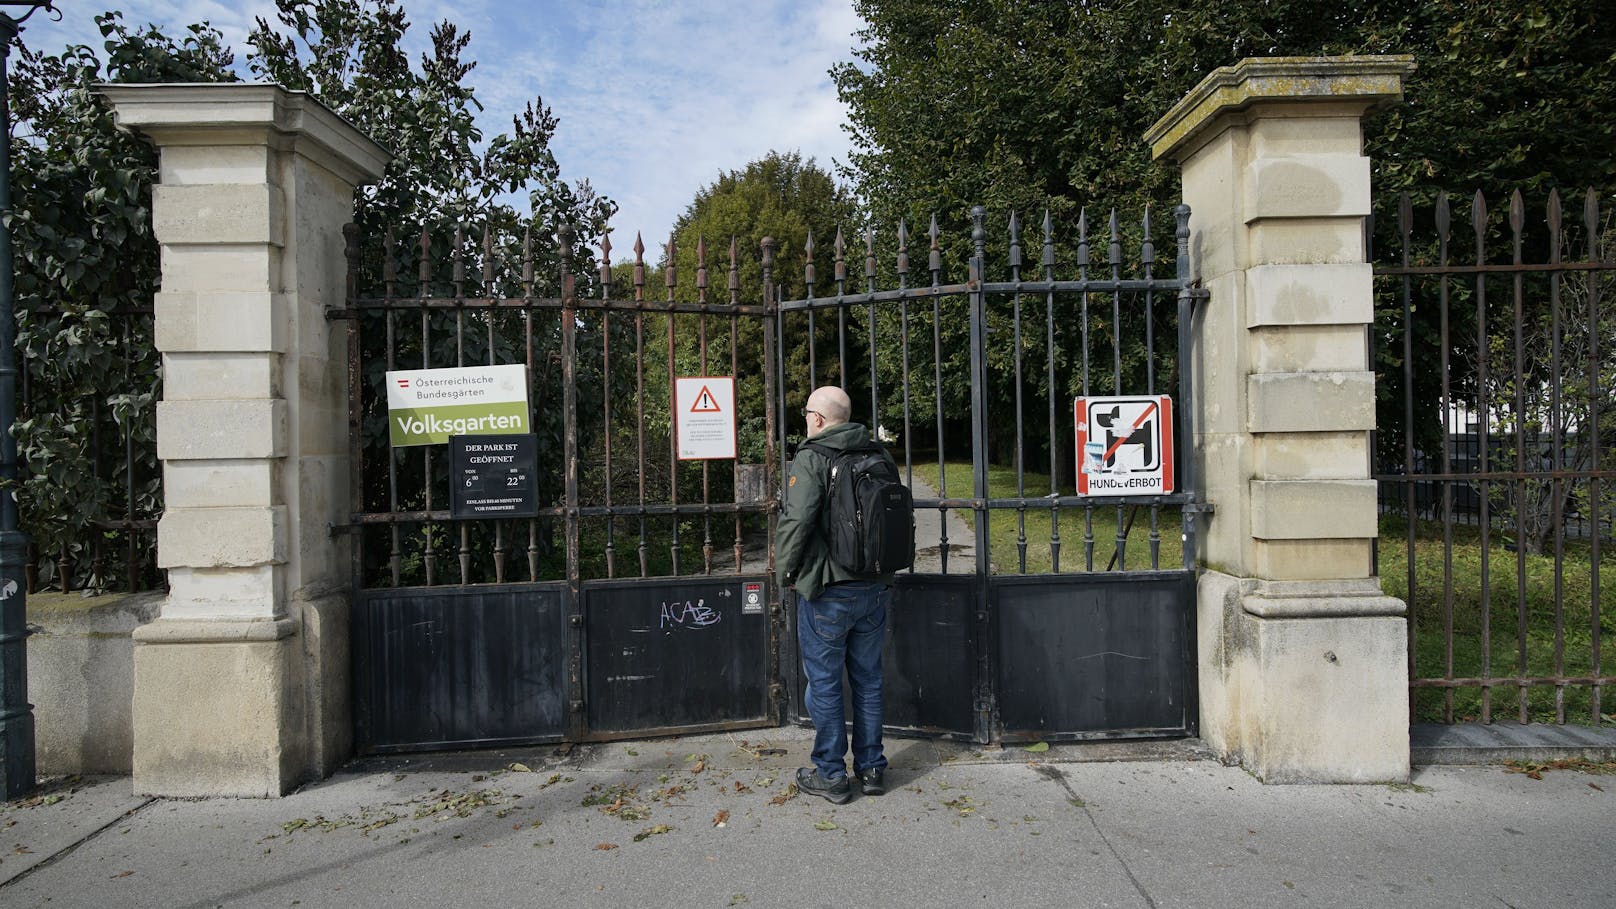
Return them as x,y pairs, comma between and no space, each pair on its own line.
1353,83
244,113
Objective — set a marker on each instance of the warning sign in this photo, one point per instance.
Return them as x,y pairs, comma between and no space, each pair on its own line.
704,417
1125,446
752,598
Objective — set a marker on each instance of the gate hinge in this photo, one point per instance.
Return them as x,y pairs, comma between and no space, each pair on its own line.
337,315
1199,508
337,530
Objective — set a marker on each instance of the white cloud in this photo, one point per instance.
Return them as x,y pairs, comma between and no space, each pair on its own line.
655,97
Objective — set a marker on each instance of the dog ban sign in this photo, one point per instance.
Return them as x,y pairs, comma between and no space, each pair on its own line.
427,406
1125,445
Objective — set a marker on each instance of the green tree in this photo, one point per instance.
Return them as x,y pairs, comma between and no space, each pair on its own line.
86,266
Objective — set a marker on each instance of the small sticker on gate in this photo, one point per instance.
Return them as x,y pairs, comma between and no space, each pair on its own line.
751,599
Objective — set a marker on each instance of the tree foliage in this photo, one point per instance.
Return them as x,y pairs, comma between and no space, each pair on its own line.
86,255
85,269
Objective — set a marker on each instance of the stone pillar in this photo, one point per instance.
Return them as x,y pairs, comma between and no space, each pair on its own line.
241,683
1303,662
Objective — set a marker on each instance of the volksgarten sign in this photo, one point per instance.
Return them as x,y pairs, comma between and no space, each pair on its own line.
427,406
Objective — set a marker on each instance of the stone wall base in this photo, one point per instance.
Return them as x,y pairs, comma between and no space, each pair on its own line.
1304,682
249,708
80,673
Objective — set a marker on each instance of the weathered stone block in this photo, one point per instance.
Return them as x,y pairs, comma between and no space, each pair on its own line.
226,593
1313,509
190,165
1308,348
1312,559
1307,186
239,537
1304,241
1330,294
212,430
1350,671
219,213
248,268
1311,401
217,484
216,718
1311,456
214,375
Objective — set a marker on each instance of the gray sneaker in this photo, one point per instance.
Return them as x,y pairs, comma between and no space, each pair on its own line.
872,781
838,791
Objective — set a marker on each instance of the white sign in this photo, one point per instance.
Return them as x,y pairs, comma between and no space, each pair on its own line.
704,417
427,406
1125,445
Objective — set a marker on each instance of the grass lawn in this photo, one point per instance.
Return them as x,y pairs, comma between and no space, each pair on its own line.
1514,612
1007,526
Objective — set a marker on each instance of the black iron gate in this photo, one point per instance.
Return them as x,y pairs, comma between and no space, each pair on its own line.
638,601
994,637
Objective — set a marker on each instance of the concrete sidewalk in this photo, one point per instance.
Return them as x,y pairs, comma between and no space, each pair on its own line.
714,821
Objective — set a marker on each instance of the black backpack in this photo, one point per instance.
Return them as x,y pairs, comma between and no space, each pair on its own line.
869,515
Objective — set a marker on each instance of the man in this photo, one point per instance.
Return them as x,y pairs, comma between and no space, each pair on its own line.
841,617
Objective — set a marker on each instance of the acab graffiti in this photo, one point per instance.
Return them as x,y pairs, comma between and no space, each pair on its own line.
688,614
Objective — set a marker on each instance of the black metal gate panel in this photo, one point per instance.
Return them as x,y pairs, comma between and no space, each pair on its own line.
1023,619
676,656
443,668
636,601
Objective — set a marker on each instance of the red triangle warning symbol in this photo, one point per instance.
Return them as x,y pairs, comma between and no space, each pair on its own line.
706,403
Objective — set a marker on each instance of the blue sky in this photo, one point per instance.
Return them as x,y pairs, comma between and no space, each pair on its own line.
655,97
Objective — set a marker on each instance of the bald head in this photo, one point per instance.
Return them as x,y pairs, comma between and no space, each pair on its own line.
831,403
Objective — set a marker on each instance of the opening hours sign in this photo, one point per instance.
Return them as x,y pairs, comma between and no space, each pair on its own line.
704,417
1125,445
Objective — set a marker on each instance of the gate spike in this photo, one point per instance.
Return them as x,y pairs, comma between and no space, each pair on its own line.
869,257
936,257
734,272
1049,246
979,242
639,268
1083,238
1114,251
457,258
701,269
425,270
488,260
1554,222
1517,214
606,263
564,238
1443,216
1147,251
808,263
841,265
1405,216
903,248
1015,242
1590,217
1478,217
527,260
670,274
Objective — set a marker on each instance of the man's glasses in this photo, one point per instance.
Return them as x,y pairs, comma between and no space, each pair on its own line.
816,413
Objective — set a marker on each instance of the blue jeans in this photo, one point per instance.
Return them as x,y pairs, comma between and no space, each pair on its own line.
844,627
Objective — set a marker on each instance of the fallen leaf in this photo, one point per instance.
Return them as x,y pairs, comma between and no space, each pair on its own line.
520,768
1038,747
120,874
23,850
699,767
649,832
787,795
1596,786
741,787
826,824
605,847
721,818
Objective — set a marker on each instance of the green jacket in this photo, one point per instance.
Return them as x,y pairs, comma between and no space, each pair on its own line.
801,553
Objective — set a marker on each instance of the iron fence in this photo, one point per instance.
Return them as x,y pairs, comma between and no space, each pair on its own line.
1496,455
91,482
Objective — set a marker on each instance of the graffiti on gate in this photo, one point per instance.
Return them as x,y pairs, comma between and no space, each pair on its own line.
688,614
